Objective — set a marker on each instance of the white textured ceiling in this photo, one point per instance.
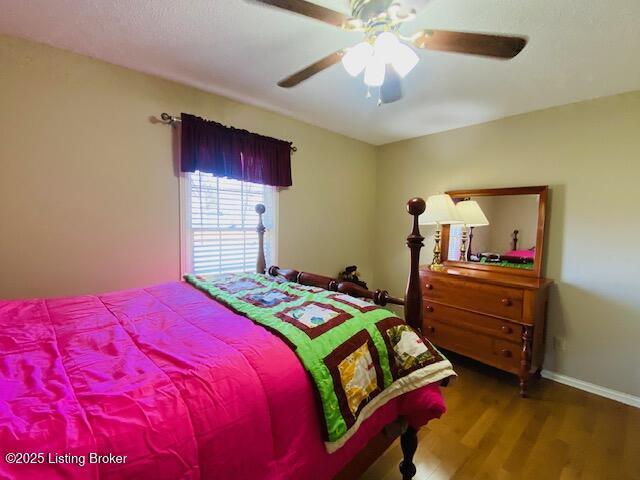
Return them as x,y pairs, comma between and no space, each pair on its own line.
578,49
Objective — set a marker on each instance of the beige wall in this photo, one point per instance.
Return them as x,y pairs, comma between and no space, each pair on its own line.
513,212
88,187
589,155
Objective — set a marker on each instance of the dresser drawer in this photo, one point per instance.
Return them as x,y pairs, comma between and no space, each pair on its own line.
473,321
502,302
490,350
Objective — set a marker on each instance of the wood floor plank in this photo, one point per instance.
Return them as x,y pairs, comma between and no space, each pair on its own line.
510,425
490,433
631,453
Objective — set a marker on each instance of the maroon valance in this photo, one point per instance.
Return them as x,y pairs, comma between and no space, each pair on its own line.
229,152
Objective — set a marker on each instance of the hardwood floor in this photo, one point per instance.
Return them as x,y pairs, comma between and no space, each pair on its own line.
491,433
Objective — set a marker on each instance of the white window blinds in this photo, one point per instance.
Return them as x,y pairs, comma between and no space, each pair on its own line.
455,242
221,224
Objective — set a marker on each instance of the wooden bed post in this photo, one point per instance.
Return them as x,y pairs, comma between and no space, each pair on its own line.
413,296
261,264
409,445
413,316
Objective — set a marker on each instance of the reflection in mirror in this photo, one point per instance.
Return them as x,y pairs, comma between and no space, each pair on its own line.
507,238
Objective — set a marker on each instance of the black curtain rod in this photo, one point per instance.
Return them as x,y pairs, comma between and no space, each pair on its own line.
172,120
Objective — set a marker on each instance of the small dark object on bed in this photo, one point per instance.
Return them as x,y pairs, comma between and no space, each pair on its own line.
350,274
490,257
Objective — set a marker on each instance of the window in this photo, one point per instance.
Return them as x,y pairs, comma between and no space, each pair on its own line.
220,224
455,242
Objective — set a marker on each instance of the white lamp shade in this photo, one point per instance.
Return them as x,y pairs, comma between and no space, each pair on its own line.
357,58
374,73
471,214
440,209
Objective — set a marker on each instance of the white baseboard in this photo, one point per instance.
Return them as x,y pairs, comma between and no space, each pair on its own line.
621,397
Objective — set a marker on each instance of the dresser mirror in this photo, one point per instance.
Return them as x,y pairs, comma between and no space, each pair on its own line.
503,230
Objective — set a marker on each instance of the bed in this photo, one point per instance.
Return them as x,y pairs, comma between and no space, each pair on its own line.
164,382
514,258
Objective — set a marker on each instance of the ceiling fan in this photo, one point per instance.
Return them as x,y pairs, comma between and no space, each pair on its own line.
386,56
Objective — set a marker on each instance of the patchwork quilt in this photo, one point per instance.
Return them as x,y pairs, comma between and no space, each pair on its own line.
359,355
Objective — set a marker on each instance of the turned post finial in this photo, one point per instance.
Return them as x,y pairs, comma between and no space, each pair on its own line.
261,263
416,206
514,240
413,297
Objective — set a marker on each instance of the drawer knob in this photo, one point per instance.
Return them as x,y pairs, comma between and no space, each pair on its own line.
506,302
505,352
431,329
429,308
506,329
428,286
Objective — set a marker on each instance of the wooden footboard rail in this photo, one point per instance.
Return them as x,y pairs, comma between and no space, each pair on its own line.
379,297
413,315
413,295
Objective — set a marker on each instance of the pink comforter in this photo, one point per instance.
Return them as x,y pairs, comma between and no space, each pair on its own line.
173,380
520,253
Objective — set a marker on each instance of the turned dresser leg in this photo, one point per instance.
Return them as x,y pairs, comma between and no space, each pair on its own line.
409,444
525,360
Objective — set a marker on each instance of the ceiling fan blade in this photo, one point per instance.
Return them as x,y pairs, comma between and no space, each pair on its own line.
498,46
309,9
305,73
391,89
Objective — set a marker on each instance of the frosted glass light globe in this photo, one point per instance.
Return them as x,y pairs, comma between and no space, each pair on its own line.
386,46
374,73
404,59
357,58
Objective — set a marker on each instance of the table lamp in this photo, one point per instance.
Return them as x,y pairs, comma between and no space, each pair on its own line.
472,216
440,210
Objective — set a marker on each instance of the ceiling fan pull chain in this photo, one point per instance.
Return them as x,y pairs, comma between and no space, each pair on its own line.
379,97
368,91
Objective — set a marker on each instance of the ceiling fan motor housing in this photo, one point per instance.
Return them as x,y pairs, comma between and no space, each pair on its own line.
368,9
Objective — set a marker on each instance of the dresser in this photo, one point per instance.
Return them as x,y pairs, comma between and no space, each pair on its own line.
495,318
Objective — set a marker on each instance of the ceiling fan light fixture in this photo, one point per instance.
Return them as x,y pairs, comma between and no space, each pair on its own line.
404,59
374,73
357,58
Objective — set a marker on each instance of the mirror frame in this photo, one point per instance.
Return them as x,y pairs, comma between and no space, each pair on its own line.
536,271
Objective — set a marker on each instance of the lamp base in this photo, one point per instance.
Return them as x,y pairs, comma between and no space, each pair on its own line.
463,245
436,263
